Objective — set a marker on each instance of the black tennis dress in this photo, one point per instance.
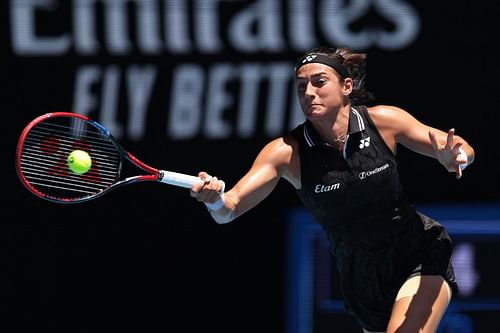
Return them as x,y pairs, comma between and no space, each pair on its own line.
377,237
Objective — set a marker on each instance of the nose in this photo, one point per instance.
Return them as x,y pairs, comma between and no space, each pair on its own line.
309,90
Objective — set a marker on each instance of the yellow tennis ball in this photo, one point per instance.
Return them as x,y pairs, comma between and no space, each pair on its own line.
79,161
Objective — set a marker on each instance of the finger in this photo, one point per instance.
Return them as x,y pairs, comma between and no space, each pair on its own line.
461,156
205,177
214,183
449,139
458,171
196,188
222,186
205,196
457,146
214,196
197,191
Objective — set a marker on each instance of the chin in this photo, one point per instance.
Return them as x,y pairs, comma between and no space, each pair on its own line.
313,114
310,112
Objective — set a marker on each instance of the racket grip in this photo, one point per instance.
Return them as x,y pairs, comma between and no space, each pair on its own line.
178,179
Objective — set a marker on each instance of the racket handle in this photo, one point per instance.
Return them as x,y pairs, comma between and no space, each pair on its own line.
178,179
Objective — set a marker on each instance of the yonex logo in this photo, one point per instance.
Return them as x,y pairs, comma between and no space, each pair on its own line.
309,58
363,143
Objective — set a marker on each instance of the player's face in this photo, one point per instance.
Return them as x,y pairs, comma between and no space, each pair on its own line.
320,89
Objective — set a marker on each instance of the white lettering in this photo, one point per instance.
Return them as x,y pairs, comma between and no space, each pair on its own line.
364,174
186,102
207,21
218,100
149,27
201,101
109,101
198,24
320,188
140,82
296,114
301,25
176,26
84,101
116,27
266,20
25,40
85,24
251,75
336,18
280,76
406,22
223,116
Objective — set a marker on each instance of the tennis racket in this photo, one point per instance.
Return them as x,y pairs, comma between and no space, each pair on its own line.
42,160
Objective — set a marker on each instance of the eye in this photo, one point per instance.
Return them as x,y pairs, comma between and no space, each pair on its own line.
319,82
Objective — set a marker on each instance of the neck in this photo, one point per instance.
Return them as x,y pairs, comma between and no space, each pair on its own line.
335,131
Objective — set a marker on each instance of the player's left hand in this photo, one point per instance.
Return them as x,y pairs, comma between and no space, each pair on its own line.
449,154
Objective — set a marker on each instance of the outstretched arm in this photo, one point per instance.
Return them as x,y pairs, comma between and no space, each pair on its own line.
398,126
269,166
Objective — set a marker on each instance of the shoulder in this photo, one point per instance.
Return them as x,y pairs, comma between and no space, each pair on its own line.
281,146
282,155
385,116
383,111
393,123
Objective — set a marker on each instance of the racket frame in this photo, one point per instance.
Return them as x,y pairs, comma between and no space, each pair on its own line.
153,174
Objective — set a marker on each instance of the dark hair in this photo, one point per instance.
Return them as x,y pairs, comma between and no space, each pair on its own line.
355,64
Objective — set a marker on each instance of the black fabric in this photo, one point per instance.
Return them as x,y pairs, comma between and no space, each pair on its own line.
377,237
335,63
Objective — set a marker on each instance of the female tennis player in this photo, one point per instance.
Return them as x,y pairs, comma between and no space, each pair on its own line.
394,262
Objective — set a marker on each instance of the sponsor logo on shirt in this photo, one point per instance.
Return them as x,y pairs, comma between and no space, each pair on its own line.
363,143
321,188
364,174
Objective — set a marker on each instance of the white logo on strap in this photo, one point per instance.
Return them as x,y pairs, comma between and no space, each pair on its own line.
309,58
363,143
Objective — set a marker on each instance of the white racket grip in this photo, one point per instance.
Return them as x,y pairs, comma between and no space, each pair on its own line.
178,179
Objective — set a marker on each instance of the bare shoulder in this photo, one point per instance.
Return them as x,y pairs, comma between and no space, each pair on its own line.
392,122
389,112
281,148
389,116
282,154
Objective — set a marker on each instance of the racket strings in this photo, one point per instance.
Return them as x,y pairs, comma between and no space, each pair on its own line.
46,149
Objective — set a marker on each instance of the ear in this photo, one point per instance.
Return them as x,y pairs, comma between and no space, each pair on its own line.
348,85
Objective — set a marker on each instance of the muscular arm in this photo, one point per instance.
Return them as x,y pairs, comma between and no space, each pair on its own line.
276,160
398,126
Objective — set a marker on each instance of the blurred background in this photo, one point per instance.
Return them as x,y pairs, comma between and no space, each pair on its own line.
203,85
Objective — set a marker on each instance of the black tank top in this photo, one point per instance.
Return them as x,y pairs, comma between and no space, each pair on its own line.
353,194
377,237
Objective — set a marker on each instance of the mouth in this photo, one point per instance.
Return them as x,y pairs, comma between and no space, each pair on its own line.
311,107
